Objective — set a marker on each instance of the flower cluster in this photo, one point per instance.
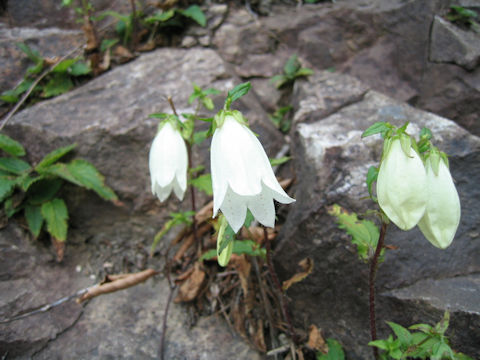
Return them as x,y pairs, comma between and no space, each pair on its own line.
414,191
242,177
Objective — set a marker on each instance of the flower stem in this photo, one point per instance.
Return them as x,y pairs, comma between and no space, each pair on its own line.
373,273
276,281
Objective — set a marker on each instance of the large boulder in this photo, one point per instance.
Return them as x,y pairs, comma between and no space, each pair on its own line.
331,162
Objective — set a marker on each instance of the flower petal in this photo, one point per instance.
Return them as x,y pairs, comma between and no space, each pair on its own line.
442,216
402,187
234,208
262,207
162,192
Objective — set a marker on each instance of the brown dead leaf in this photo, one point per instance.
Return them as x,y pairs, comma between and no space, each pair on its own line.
192,285
243,267
307,266
122,54
316,341
90,34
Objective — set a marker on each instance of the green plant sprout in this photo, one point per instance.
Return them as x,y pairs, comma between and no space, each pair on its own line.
281,120
413,187
426,342
34,190
291,71
61,79
83,8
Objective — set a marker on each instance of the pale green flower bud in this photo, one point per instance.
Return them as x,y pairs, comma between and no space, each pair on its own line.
442,215
402,184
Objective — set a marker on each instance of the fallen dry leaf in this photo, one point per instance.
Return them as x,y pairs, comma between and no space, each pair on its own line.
316,341
192,285
307,266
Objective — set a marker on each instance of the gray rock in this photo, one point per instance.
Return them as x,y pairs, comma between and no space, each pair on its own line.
332,163
452,44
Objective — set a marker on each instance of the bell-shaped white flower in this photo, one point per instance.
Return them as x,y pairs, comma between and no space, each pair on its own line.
402,184
442,216
168,162
242,176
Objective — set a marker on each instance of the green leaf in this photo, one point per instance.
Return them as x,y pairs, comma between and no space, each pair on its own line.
32,54
62,171
34,217
200,136
372,176
55,214
176,219
335,351
236,93
35,69
107,44
88,176
279,161
10,207
43,190
11,146
14,165
225,239
58,84
208,103
80,68
303,72
291,66
364,233
402,333
12,96
442,325
54,156
26,181
160,17
6,187
63,66
248,219
248,247
381,344
380,127
195,13
203,183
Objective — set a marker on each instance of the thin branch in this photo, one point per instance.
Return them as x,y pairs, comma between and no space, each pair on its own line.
371,280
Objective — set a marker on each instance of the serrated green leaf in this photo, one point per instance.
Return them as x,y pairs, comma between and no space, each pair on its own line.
279,161
59,84
195,13
335,351
34,217
27,181
43,190
236,93
11,146
54,156
6,187
55,214
14,165
10,207
203,183
62,171
422,327
88,176
80,68
364,233
63,66
377,128
402,333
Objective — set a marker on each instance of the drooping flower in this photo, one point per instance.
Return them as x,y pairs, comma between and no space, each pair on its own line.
442,215
242,176
168,162
402,184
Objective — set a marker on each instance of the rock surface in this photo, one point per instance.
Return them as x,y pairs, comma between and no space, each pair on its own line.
332,162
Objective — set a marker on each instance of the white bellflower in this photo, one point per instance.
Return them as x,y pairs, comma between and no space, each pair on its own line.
168,162
442,216
242,176
402,185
